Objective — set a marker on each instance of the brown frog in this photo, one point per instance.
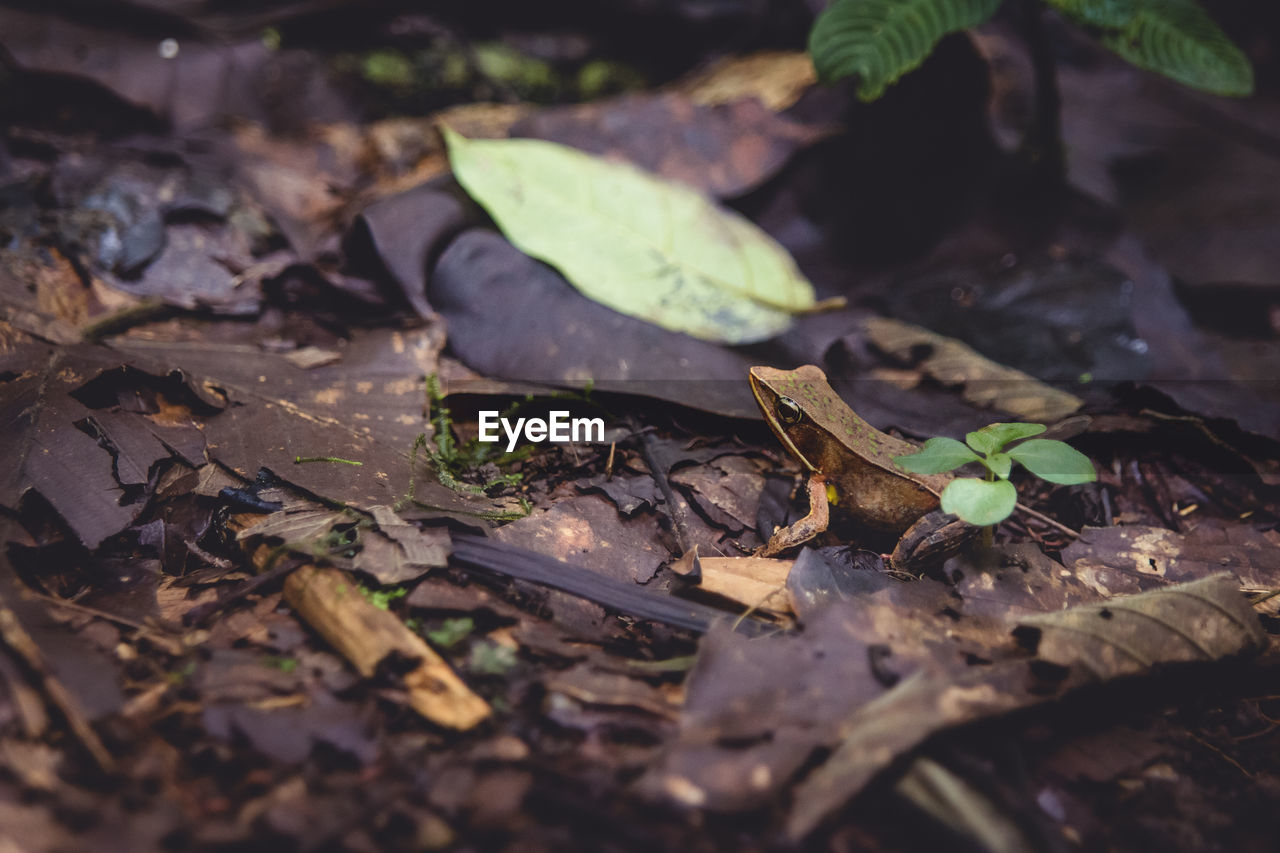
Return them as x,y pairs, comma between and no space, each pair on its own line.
851,471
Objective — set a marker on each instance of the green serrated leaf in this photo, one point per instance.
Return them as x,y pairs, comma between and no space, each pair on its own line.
979,502
642,245
1054,461
992,437
999,464
1178,39
1108,14
937,456
880,40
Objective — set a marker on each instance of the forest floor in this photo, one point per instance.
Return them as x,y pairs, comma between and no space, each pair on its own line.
262,585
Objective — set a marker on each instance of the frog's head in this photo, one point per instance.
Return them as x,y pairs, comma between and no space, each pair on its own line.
796,405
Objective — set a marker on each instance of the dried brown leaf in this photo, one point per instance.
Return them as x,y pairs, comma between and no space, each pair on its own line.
986,383
1202,621
1205,620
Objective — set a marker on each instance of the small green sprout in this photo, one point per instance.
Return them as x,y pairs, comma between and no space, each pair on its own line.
382,598
451,632
991,500
284,664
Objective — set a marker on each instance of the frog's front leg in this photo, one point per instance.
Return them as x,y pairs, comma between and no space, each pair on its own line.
806,528
933,538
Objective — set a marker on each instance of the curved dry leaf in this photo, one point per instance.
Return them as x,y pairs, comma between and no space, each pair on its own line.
777,78
985,383
898,721
724,150
963,807
1204,620
1200,621
757,583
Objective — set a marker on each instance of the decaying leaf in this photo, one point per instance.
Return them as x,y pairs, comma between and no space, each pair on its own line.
586,683
757,583
588,530
882,730
375,386
1011,580
77,457
724,150
1116,559
754,709
393,551
726,491
1204,620
644,246
777,78
984,382
511,317
367,408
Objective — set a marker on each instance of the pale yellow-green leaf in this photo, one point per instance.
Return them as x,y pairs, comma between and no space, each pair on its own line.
642,245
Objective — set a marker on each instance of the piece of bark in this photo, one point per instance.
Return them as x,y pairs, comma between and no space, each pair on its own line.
330,603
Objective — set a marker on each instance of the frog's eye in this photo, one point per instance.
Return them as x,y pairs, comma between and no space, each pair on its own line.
788,411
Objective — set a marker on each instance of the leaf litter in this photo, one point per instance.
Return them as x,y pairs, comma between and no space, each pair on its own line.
559,676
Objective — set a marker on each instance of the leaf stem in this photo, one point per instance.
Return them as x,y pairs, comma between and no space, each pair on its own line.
299,460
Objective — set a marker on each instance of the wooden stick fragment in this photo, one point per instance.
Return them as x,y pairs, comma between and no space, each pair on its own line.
330,602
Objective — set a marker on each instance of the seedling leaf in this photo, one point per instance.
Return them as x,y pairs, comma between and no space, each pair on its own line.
991,438
1000,464
1055,461
979,502
937,456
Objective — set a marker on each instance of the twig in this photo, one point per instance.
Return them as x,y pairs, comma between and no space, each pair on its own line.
1227,758
168,638
659,473
200,614
1040,516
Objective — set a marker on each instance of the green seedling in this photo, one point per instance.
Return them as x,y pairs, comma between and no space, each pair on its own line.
988,501
284,664
451,632
451,461
382,598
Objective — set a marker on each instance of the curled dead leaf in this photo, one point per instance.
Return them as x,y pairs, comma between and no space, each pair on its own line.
985,383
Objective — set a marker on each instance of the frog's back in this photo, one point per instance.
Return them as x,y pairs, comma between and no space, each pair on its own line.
863,472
